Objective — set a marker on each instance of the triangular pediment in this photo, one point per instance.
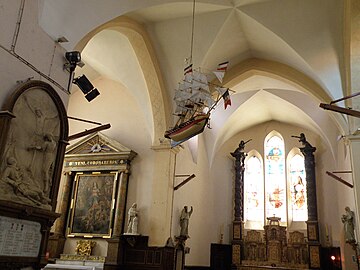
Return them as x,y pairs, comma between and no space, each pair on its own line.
97,143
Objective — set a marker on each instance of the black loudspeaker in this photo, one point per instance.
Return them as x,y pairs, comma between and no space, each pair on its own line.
92,94
84,84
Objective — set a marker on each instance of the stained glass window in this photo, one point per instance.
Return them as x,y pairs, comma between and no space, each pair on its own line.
273,186
297,181
254,190
275,183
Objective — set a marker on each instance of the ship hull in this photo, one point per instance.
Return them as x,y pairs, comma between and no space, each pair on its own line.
188,129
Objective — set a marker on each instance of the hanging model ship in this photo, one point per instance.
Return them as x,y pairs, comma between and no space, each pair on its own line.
194,103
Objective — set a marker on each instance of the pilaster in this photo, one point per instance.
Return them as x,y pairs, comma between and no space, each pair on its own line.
355,165
162,194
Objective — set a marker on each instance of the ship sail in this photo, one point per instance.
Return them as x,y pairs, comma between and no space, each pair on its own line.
194,102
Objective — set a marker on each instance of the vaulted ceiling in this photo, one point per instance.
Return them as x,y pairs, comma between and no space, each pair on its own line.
297,53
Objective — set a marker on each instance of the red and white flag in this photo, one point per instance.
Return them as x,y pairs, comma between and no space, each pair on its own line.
220,71
227,100
188,69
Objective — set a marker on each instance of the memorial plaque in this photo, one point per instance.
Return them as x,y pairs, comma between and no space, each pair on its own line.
19,237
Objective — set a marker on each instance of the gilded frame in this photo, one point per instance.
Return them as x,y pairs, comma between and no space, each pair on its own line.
92,205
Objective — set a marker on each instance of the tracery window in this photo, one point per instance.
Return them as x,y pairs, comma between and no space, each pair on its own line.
298,188
254,191
274,185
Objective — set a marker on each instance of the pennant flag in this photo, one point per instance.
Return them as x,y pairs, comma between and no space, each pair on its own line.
220,71
188,69
223,66
227,100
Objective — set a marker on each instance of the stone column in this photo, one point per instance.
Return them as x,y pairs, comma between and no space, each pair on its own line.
308,152
162,194
312,223
114,256
120,203
237,236
57,239
355,165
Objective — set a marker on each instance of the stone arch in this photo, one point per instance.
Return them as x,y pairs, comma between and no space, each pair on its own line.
140,42
253,66
282,72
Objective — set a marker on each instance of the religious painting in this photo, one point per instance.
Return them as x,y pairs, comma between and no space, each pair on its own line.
92,208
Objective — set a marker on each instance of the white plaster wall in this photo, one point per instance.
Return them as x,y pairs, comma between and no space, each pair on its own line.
117,106
32,45
210,193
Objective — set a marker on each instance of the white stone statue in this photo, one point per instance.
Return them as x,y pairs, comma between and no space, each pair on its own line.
184,221
349,221
22,185
132,227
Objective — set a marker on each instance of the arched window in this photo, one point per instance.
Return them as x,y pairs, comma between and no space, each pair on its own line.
298,205
275,179
275,185
254,192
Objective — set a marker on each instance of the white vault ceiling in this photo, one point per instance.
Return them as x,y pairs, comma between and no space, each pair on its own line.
306,35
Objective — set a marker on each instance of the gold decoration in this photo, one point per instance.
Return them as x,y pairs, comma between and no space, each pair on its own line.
236,254
314,256
312,232
253,236
237,234
74,257
296,237
84,247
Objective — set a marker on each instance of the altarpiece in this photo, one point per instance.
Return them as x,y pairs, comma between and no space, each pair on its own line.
276,247
93,196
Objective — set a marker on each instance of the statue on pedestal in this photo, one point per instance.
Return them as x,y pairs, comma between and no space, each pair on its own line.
132,227
184,221
348,219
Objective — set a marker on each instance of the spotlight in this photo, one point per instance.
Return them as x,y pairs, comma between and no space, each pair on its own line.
86,87
73,57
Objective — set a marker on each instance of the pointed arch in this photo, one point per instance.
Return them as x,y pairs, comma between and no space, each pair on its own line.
145,53
275,176
297,186
254,191
282,72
